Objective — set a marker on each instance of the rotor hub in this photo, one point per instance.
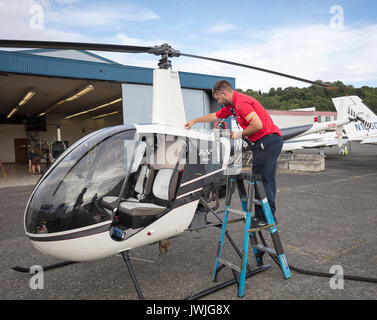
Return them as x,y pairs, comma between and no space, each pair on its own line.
166,52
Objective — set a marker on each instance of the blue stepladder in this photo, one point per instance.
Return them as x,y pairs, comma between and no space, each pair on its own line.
244,270
277,252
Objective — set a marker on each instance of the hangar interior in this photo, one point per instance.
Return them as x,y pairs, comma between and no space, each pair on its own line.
66,94
28,126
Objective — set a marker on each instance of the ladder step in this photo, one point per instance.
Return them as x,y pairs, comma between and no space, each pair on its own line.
261,228
229,264
265,249
257,202
239,212
236,220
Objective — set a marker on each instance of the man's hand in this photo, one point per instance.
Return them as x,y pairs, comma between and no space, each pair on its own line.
189,124
236,135
206,118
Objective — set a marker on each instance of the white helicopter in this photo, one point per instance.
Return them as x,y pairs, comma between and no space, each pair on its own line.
123,187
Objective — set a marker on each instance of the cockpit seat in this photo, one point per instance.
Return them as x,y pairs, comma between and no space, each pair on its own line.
109,202
138,214
142,187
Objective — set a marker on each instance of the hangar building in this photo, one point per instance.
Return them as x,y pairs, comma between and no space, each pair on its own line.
78,92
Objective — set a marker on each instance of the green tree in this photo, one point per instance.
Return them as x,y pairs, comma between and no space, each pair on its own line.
313,96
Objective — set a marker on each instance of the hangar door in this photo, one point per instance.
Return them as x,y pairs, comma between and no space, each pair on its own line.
137,104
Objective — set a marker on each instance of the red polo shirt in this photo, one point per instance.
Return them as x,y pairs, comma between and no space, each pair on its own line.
246,108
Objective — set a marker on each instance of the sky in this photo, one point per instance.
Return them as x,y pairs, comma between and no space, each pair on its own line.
323,39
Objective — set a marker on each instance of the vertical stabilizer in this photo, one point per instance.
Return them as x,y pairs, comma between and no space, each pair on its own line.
168,105
353,106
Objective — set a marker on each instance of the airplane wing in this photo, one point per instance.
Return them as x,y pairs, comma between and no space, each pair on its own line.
314,140
301,142
335,142
312,135
371,140
304,130
291,145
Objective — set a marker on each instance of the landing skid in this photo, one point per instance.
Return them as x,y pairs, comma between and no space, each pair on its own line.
45,268
124,254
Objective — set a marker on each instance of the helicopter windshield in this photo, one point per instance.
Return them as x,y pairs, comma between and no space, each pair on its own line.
67,196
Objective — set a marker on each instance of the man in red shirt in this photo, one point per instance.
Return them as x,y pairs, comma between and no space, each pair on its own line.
258,126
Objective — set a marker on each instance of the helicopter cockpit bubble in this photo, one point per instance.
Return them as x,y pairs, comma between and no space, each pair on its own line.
66,197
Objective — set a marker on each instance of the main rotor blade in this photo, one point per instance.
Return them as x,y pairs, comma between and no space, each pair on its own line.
72,46
256,68
159,50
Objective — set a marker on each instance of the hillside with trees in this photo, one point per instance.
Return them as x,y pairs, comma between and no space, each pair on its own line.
313,96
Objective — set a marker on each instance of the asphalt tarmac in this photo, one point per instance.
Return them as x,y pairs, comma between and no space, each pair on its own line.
326,219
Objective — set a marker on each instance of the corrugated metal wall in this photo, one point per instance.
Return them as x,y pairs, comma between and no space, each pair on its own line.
137,104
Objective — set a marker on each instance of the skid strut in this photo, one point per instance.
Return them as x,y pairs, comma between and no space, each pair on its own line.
126,259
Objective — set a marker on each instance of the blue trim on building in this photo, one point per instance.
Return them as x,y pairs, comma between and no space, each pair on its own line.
16,62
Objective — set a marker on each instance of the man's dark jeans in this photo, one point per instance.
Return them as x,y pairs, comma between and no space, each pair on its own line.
265,154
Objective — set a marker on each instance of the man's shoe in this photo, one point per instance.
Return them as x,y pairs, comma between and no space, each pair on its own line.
257,223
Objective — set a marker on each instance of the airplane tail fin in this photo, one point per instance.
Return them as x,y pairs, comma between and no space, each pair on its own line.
354,107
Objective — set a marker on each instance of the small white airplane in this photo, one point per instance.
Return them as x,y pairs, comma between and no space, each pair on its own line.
365,130
320,140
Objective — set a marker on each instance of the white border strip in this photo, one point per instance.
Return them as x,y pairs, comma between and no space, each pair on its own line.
201,177
62,233
183,195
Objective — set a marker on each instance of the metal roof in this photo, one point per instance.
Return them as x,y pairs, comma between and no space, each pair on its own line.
24,63
54,78
58,53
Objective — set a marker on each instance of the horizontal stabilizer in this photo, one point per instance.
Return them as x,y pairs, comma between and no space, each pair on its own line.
372,140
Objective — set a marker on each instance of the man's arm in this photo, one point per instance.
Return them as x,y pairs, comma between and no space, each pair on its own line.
211,117
254,126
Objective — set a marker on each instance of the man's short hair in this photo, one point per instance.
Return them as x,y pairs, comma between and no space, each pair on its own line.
221,85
